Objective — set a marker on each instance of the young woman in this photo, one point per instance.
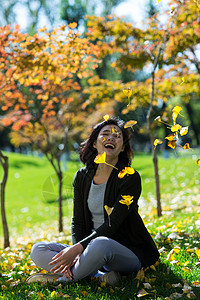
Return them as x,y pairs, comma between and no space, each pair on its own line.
103,245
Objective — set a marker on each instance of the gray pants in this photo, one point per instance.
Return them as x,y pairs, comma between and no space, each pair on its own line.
101,252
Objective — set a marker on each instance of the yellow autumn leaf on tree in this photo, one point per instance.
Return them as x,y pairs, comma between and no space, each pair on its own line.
170,137
126,170
176,110
130,123
101,159
175,128
198,162
127,92
157,142
184,131
127,200
106,117
109,211
172,144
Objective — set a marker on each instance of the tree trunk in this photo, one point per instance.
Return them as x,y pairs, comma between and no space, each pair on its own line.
60,177
155,160
4,163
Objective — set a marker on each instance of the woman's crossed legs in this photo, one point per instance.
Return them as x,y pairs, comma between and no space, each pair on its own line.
101,252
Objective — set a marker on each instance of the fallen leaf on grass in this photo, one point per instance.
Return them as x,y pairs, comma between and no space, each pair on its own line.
147,285
142,293
84,293
196,283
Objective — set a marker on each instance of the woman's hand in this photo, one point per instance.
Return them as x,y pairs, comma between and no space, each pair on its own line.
65,259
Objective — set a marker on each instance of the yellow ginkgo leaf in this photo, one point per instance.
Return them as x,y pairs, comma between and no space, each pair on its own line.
127,200
53,294
126,170
114,131
198,162
127,92
130,123
158,119
176,110
175,128
142,293
170,137
172,144
196,283
184,131
186,146
106,117
101,159
186,269
157,142
109,211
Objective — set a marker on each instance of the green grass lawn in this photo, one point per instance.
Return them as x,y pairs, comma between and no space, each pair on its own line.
32,214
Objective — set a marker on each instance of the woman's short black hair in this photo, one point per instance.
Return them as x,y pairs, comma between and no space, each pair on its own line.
88,152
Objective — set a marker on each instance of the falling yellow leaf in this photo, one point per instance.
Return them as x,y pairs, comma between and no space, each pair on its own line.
101,159
114,131
127,92
158,1
157,142
127,200
130,123
172,144
158,119
142,293
184,131
176,110
175,128
126,170
186,146
198,162
109,211
170,137
183,80
106,117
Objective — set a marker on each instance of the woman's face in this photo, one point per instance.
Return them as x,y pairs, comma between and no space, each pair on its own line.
110,140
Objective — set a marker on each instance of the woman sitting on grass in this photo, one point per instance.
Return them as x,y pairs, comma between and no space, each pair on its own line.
109,236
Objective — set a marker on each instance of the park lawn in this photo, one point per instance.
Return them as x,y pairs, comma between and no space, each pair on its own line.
176,232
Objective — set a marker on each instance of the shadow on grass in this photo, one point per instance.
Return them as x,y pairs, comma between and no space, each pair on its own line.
20,164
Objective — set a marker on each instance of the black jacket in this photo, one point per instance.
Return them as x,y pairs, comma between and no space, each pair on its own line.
126,227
